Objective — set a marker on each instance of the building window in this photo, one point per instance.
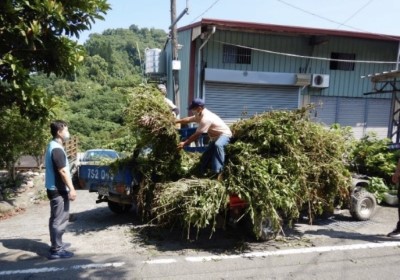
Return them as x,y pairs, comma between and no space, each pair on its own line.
238,55
341,65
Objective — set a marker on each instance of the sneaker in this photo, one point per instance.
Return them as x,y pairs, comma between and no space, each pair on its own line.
65,245
395,233
61,254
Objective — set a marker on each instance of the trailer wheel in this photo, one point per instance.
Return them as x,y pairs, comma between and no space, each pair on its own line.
119,208
362,205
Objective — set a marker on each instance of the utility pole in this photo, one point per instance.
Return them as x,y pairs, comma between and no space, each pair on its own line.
174,40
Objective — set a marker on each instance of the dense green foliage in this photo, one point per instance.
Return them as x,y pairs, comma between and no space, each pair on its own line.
281,162
378,188
150,120
46,75
192,202
94,99
371,156
154,155
34,38
20,136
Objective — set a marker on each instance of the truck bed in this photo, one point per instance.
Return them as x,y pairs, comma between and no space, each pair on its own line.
99,178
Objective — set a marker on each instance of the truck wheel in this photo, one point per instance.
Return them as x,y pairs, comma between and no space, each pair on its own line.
362,204
75,176
119,208
267,232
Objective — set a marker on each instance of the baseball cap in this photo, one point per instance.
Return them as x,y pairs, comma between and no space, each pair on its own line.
162,87
197,102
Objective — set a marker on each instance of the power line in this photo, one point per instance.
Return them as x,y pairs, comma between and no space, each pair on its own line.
354,14
209,8
309,57
336,22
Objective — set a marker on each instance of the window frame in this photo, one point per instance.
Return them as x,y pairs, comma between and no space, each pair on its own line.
340,65
236,55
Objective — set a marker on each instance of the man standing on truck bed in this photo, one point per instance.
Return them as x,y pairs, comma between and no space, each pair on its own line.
218,132
60,189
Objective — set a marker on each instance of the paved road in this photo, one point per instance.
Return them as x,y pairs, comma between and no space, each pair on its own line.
108,246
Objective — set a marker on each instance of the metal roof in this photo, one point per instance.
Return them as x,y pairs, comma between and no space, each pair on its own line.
384,76
290,30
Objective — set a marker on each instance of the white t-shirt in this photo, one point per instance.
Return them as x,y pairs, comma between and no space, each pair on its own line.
170,104
212,124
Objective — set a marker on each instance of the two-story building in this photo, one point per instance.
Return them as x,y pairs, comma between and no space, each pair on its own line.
243,68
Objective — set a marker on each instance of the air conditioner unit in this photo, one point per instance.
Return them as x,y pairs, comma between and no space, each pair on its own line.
319,81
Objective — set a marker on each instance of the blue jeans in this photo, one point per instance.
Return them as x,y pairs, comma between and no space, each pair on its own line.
215,153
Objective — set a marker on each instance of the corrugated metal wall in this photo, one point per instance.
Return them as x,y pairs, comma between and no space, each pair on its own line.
349,83
342,83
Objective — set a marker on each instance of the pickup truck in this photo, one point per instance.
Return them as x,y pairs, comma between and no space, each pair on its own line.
114,187
117,188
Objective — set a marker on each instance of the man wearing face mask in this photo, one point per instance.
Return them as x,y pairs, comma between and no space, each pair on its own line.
60,189
218,132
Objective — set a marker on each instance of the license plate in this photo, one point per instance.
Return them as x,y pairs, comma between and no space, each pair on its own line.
103,190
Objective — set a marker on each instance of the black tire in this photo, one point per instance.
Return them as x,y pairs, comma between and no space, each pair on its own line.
267,231
265,228
75,176
119,208
362,204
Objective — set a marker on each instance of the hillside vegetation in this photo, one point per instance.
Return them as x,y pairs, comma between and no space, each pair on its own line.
92,101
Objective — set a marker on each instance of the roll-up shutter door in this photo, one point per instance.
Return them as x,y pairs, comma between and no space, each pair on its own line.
378,115
351,112
325,109
234,101
363,115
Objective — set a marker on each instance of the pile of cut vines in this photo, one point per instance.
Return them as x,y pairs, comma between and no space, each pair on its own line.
282,163
279,162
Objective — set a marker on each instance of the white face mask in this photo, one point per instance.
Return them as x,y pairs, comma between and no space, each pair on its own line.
194,112
66,136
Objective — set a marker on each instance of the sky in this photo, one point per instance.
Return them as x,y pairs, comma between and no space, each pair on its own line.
368,16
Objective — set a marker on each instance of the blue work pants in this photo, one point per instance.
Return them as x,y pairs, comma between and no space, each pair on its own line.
215,154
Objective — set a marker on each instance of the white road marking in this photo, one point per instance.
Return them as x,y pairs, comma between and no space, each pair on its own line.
279,253
161,261
53,269
211,257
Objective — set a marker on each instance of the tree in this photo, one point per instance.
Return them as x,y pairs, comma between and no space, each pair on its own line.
20,136
34,38
93,101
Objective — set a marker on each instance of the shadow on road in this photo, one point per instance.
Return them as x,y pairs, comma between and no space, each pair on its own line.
28,245
228,240
98,219
175,239
162,238
343,226
340,234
